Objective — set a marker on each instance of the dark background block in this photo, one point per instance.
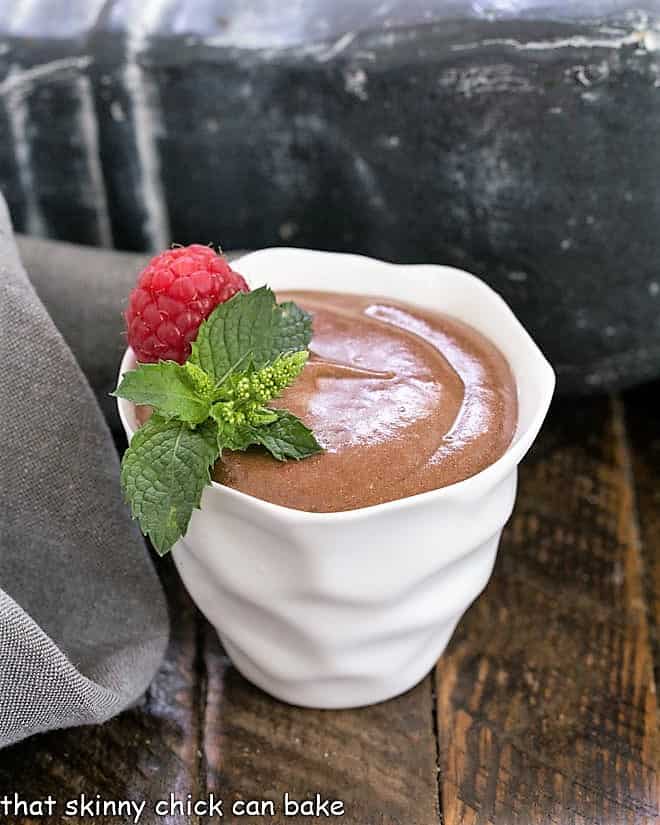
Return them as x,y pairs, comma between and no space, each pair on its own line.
519,145
56,184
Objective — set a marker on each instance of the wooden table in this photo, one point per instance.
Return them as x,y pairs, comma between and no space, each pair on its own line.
543,709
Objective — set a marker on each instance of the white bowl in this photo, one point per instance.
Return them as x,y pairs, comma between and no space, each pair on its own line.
335,610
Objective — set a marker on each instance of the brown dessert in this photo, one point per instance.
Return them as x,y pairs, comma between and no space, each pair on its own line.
403,400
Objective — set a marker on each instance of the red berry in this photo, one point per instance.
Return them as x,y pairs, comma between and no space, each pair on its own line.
175,292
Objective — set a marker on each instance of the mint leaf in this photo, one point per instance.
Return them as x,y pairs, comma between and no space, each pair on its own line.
287,437
292,332
249,326
281,433
174,391
163,474
233,437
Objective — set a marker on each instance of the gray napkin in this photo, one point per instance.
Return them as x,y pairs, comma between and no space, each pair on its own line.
85,291
83,622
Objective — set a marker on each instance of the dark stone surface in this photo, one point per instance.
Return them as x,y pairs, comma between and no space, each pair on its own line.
127,105
519,145
47,107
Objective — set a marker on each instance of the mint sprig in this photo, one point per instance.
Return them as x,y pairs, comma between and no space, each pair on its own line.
287,437
246,353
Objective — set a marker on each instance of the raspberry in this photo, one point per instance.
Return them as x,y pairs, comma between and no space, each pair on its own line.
176,291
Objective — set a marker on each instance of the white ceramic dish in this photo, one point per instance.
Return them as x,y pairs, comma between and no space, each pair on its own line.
335,610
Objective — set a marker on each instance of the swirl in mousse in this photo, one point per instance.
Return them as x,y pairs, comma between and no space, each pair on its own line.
403,400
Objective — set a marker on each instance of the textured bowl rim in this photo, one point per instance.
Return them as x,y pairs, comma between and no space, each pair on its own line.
467,489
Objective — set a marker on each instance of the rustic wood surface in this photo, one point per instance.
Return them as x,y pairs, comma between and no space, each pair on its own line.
546,703
643,423
543,709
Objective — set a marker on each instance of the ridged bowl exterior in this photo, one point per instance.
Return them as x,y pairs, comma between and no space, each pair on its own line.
347,609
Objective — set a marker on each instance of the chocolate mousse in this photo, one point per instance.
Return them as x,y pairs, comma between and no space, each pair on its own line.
403,400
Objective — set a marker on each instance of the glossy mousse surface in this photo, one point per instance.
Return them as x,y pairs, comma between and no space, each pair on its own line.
403,400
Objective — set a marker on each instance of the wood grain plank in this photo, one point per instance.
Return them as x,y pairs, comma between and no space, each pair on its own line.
380,761
144,754
547,710
641,415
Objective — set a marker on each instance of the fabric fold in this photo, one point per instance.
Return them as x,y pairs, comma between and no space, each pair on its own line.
83,620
